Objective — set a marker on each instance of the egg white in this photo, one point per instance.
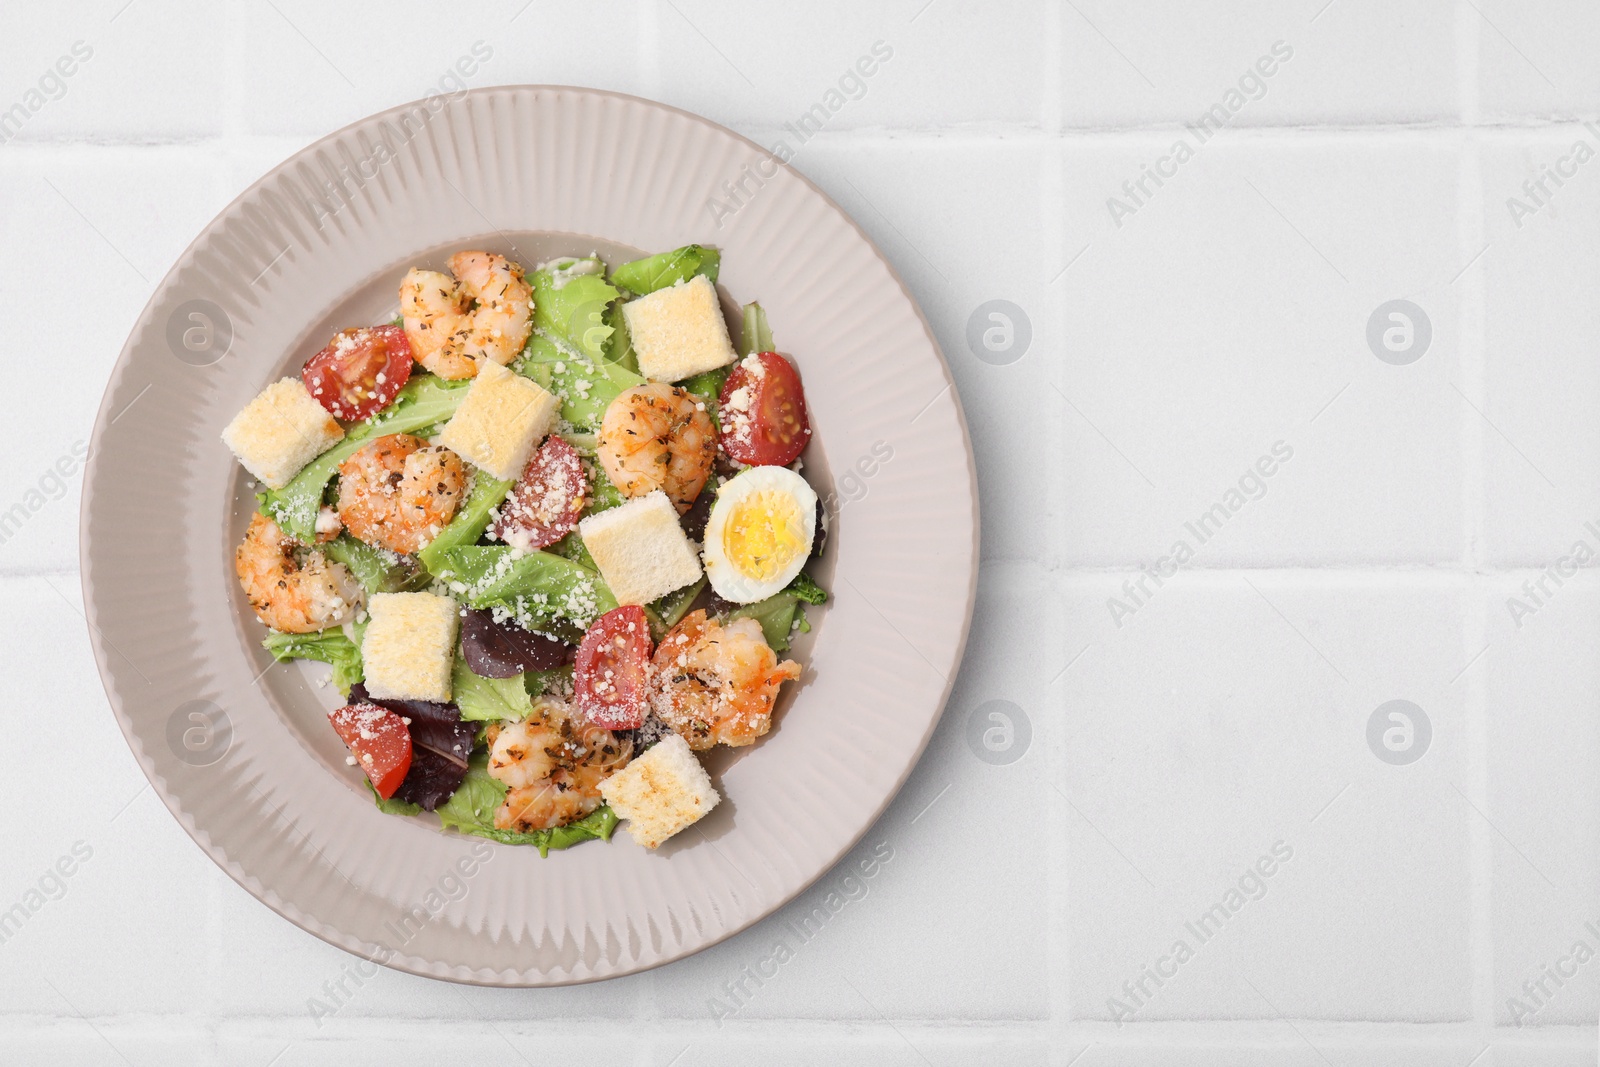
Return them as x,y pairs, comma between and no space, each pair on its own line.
727,580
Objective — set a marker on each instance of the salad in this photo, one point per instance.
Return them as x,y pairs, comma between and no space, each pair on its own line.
547,529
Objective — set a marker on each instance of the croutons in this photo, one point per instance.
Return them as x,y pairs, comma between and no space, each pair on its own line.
661,792
641,550
679,331
409,647
500,420
280,431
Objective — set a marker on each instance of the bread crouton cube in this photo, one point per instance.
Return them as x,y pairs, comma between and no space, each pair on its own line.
500,420
661,792
641,550
280,431
679,331
410,645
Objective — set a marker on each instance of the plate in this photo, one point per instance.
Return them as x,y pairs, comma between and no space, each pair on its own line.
238,748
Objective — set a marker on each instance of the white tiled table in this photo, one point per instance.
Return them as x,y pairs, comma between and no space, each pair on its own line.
1172,743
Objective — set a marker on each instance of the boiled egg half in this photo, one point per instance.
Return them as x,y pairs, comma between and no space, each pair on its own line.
759,534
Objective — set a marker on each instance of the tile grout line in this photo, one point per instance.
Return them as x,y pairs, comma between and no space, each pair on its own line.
1057,872
1472,321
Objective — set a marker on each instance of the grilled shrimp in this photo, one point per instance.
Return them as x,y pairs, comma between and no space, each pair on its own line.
657,436
716,683
293,589
399,491
484,312
553,763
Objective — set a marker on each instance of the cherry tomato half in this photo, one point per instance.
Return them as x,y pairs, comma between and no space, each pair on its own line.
544,505
763,412
380,742
360,371
613,669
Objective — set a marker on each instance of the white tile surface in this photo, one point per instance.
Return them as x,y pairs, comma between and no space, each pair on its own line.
1227,314
1541,681
1540,441
1127,65
774,71
1266,684
100,227
1533,59
70,68
1173,740
334,64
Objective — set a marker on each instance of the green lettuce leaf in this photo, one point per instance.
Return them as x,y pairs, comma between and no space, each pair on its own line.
328,646
779,616
425,402
644,276
707,386
557,680
619,346
471,808
757,336
378,570
483,496
586,385
667,612
806,588
539,588
482,699
574,310
391,806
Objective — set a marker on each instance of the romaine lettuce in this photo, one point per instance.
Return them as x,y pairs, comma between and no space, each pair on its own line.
669,610
483,496
392,806
426,401
538,588
328,646
378,570
757,336
471,811
779,616
557,681
573,308
707,386
619,346
586,385
644,276
482,699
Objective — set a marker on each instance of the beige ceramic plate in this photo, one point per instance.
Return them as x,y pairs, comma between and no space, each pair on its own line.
239,749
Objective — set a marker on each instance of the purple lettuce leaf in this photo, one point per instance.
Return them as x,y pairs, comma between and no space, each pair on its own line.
440,747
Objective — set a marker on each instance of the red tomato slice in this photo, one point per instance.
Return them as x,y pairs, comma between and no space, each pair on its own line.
380,742
544,505
763,412
613,668
360,371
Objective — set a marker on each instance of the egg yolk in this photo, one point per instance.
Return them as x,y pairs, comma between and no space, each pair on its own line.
764,534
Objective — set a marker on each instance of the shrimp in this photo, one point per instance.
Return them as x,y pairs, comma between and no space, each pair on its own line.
484,312
399,491
657,436
717,683
295,590
553,763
